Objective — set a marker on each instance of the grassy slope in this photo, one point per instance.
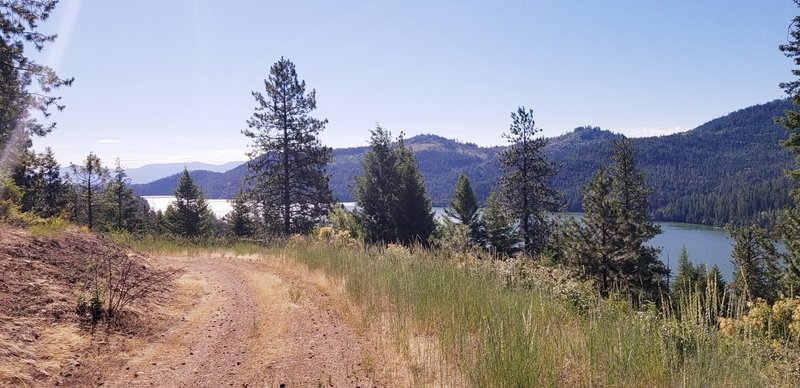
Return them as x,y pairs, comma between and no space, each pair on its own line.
465,323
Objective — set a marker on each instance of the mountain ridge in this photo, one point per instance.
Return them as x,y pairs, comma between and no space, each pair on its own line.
728,169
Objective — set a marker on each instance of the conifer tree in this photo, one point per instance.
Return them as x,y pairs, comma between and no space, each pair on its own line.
611,244
287,163
25,85
375,191
413,213
599,243
240,221
390,195
464,208
498,226
189,215
91,179
754,258
526,172
124,209
790,221
688,277
39,178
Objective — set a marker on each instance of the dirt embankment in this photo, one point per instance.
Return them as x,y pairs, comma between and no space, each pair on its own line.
42,339
224,322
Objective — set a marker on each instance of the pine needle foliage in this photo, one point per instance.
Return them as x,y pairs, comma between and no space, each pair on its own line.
189,216
287,176
524,183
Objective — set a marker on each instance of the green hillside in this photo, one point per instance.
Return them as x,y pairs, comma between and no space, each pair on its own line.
728,170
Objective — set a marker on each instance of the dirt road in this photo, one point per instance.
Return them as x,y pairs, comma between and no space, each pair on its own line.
252,324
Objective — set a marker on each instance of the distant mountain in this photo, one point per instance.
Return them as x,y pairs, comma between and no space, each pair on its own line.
729,169
151,172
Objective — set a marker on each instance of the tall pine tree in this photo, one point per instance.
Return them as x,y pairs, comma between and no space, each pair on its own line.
287,163
524,184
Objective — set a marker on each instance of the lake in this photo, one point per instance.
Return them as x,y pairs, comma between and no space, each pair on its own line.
705,244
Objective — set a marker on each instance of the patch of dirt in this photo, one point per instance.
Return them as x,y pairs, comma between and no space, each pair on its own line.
252,326
223,322
42,339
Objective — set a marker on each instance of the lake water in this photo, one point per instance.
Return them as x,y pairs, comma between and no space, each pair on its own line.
705,244
220,207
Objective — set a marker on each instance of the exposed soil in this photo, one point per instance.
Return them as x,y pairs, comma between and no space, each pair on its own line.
42,339
248,326
241,322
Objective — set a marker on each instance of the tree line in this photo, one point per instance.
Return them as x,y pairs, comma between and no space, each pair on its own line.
287,191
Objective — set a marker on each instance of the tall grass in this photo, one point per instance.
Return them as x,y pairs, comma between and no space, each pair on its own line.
489,331
497,335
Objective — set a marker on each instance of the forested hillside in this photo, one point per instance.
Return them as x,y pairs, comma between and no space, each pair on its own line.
729,169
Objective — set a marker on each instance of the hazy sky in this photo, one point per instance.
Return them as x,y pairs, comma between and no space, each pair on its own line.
168,81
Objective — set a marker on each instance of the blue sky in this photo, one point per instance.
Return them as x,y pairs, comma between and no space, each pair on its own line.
170,81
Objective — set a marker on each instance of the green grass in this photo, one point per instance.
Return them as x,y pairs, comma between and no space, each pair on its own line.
498,335
492,332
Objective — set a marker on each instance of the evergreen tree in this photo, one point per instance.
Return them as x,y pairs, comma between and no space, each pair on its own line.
189,215
413,213
91,178
790,221
240,221
791,119
390,195
25,85
375,191
287,163
526,172
611,242
753,260
125,208
790,230
464,208
688,278
498,226
599,244
642,265
53,188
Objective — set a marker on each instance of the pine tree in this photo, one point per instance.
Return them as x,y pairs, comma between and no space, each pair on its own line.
25,85
611,242
53,189
287,164
189,215
790,220
790,230
688,277
240,221
642,266
526,172
464,208
393,206
413,213
498,226
91,178
754,261
599,244
124,209
375,191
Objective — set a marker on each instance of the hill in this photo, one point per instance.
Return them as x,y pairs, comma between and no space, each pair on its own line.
729,169
151,172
